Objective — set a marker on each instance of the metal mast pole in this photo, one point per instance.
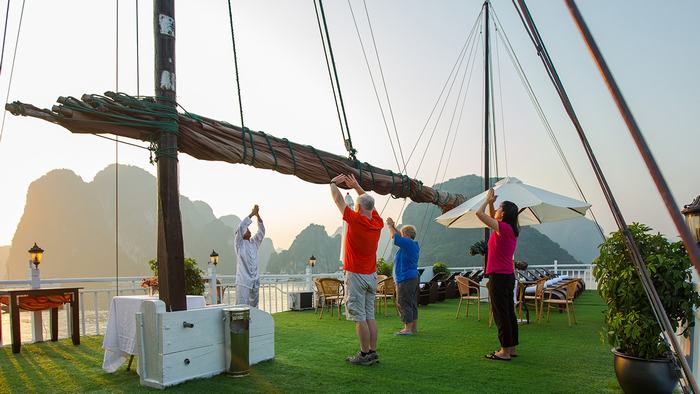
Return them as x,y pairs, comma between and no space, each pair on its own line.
487,107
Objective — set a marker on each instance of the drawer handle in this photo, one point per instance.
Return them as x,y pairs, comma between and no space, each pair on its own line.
187,325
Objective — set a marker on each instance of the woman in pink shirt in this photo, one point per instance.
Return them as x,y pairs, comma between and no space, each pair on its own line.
500,270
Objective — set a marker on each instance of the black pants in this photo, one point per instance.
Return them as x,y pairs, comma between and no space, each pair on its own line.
501,293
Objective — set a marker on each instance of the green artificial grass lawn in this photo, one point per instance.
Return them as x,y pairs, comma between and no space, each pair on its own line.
447,355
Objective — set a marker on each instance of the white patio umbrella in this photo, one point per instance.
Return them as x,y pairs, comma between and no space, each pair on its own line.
536,206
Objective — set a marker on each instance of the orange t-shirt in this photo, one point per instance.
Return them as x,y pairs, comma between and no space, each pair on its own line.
361,241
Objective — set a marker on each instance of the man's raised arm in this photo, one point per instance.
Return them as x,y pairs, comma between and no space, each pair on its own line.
335,192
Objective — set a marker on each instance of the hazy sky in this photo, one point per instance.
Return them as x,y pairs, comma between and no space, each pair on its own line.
652,47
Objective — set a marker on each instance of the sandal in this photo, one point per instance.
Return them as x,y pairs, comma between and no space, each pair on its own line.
494,356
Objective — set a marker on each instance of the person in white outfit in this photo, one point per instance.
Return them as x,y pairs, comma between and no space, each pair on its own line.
247,276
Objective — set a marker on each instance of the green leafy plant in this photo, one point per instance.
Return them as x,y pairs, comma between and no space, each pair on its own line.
479,247
384,267
440,268
629,320
194,283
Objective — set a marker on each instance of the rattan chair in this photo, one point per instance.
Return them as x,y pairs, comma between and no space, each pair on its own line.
386,289
570,288
469,290
332,293
537,299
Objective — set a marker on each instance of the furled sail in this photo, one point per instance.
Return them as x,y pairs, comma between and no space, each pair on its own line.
207,139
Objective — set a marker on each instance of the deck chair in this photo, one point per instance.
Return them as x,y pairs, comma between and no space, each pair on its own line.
536,298
570,289
469,290
386,289
332,292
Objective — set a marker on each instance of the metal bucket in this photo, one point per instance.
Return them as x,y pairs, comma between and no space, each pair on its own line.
237,322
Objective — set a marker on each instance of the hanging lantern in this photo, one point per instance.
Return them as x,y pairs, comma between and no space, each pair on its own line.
312,261
692,217
35,255
214,257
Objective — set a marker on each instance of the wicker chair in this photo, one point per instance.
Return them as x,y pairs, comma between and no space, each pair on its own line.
332,292
570,288
386,289
537,299
469,290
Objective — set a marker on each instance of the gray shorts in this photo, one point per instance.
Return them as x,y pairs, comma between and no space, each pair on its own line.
360,292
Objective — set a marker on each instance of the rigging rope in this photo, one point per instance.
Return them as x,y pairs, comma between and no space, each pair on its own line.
12,70
472,51
235,63
538,108
4,35
348,142
330,74
500,96
461,112
386,91
116,155
376,94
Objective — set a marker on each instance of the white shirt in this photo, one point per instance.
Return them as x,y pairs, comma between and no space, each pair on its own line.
247,254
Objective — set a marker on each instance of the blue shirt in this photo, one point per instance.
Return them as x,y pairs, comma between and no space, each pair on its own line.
406,260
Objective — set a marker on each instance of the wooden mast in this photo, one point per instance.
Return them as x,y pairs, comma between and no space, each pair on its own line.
171,260
487,107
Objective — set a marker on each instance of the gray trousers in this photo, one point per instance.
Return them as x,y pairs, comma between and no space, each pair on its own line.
407,299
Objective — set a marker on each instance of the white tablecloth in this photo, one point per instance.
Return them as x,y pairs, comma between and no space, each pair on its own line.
120,337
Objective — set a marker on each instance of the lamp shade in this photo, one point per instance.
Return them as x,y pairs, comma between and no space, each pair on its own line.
692,217
36,254
312,261
214,257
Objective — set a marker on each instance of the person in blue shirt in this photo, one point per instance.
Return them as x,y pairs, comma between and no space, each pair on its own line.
406,275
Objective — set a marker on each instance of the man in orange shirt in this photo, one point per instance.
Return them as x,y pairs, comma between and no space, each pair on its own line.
360,264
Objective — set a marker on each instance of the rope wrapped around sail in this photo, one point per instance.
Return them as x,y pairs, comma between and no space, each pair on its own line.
208,139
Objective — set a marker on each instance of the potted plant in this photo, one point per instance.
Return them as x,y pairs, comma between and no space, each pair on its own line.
194,282
641,357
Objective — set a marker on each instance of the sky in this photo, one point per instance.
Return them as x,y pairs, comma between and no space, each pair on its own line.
70,48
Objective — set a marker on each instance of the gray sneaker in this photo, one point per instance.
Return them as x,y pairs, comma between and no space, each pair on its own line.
359,359
374,357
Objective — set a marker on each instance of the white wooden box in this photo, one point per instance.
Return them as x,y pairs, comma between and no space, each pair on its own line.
171,353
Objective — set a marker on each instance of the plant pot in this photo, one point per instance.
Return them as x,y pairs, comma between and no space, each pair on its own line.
637,375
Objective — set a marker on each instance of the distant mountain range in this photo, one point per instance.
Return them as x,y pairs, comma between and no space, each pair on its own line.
74,222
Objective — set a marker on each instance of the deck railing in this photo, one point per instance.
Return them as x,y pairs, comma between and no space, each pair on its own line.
583,271
98,292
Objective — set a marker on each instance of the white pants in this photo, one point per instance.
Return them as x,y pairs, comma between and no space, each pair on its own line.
247,295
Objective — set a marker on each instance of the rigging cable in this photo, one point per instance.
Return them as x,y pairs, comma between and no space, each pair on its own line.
116,154
500,96
461,112
386,91
138,69
330,74
376,94
348,142
538,108
12,70
657,307
471,52
4,35
235,63
477,23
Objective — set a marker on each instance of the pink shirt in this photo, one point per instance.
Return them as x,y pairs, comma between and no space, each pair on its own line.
501,249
